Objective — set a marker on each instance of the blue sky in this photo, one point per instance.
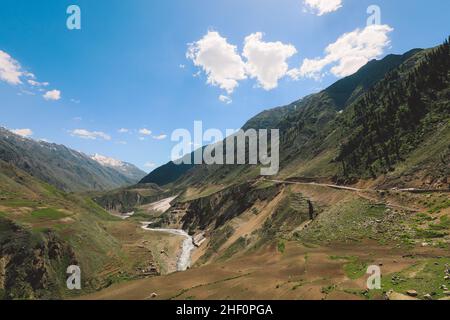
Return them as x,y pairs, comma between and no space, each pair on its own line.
127,66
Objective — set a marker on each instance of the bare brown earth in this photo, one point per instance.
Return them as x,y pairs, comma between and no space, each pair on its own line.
146,248
299,273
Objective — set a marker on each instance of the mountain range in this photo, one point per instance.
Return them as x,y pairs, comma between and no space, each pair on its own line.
67,169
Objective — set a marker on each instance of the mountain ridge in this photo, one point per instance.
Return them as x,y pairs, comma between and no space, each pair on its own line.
61,166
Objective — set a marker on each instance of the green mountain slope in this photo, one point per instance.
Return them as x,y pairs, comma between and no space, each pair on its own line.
312,129
167,173
344,91
62,167
44,230
397,115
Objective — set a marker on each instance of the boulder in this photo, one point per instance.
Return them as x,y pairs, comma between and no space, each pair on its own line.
412,293
394,296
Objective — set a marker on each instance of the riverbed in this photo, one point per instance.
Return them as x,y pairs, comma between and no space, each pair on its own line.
184,259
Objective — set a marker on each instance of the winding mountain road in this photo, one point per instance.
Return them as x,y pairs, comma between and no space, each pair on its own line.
360,192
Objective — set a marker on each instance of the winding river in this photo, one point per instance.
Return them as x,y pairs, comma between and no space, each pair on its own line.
184,260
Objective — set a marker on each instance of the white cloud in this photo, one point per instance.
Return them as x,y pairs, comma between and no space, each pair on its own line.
141,139
225,99
29,75
23,132
10,69
35,83
123,130
53,95
160,137
266,61
321,7
348,54
145,132
150,165
12,72
90,135
219,60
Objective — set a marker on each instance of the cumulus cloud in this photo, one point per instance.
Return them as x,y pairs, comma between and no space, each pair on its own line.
225,99
266,61
53,95
321,7
348,54
145,132
219,60
23,132
224,67
160,137
10,69
90,135
123,130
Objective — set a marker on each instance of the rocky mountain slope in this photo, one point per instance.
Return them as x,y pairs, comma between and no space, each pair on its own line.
62,167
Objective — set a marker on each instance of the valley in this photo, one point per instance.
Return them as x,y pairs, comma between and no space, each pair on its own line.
364,181
326,258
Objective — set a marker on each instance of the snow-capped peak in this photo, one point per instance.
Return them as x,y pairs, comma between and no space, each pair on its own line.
108,162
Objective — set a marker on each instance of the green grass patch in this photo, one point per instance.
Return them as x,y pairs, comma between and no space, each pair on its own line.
328,289
18,203
430,234
281,246
340,258
444,224
422,217
355,268
47,214
428,277
440,206
347,221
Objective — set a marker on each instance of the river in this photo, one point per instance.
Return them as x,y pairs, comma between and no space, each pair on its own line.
184,260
